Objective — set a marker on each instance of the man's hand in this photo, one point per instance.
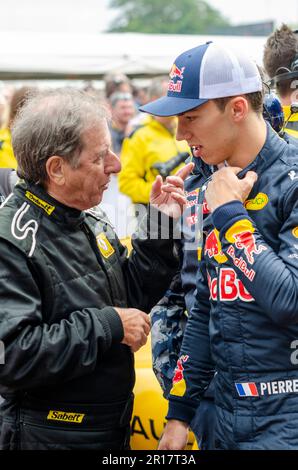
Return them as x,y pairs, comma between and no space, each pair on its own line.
226,187
175,435
169,196
136,326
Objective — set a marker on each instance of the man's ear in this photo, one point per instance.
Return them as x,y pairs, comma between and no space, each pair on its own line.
55,170
238,108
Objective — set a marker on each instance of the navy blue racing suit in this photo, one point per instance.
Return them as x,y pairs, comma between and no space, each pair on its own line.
245,317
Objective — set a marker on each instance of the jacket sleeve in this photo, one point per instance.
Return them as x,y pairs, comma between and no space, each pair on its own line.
195,368
168,320
270,277
36,353
153,260
131,179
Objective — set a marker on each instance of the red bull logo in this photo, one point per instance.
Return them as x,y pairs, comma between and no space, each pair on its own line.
178,376
176,77
241,235
246,241
212,247
226,287
176,72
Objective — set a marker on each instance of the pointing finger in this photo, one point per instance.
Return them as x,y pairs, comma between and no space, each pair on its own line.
185,171
156,187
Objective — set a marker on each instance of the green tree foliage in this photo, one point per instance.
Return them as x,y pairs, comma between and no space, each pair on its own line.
171,17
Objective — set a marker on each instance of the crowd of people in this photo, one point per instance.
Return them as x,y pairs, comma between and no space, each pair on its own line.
214,255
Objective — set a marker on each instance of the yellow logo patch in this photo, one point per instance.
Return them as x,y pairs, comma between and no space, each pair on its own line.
243,225
295,232
104,245
40,203
66,417
258,203
179,389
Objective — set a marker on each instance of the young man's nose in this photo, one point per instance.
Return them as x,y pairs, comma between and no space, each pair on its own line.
182,132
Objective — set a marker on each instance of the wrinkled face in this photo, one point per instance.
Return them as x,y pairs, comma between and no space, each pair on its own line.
123,111
209,131
84,185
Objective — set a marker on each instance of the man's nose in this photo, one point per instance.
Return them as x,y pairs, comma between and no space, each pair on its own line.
113,164
182,132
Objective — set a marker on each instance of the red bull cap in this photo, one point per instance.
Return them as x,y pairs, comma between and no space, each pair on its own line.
203,73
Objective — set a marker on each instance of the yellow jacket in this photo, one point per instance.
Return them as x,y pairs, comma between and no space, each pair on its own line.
292,123
7,158
148,144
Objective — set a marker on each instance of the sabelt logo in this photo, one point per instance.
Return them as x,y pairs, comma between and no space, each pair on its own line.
258,203
40,203
65,416
295,232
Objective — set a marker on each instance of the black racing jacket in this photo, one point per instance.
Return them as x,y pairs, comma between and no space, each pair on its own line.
61,273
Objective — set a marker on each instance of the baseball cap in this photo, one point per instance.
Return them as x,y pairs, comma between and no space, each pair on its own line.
203,73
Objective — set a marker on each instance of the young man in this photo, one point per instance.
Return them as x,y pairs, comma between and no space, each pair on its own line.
72,304
244,321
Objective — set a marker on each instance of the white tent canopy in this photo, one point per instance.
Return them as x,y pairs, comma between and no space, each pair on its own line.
98,54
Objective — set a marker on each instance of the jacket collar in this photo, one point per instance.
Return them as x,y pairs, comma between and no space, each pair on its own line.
273,148
201,168
35,195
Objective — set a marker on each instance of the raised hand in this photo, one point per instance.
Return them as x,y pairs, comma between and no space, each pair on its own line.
168,196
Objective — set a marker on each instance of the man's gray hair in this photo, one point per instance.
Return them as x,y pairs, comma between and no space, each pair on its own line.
51,123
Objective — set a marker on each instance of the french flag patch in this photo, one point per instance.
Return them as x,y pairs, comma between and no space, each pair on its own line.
247,389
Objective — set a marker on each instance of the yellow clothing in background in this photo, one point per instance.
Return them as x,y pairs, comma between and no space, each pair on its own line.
7,158
291,127
148,144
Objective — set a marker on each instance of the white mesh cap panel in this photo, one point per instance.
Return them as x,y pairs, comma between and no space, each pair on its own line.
224,73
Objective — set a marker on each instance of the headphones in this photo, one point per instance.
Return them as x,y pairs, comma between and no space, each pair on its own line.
286,73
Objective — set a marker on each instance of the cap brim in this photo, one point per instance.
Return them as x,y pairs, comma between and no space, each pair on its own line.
171,106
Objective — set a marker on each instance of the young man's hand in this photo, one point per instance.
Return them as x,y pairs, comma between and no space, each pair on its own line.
226,187
175,435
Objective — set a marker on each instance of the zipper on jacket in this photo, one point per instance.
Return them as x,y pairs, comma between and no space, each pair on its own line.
200,216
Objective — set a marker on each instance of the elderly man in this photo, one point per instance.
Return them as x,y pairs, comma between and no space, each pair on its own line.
243,324
72,304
